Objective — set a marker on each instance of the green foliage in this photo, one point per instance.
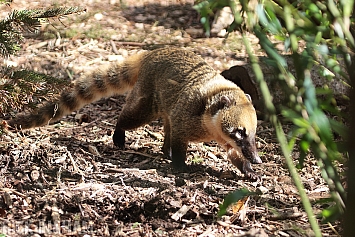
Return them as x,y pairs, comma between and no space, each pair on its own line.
314,33
326,44
197,159
25,87
5,1
16,22
207,10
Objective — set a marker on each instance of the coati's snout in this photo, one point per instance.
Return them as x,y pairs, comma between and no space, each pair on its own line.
238,122
241,150
246,142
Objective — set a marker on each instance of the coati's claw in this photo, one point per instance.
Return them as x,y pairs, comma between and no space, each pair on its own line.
252,176
249,173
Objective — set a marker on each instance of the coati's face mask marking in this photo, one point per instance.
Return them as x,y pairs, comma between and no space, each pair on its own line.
239,125
246,142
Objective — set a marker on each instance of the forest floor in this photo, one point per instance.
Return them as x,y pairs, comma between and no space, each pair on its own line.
68,179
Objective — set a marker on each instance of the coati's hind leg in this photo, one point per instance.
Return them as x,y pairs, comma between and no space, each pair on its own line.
175,144
135,113
119,137
166,146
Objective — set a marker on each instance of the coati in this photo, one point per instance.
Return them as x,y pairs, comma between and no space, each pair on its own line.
195,102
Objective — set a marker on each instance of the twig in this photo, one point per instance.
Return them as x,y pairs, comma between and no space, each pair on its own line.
285,216
73,127
140,153
333,229
13,191
75,167
155,135
131,43
114,48
130,170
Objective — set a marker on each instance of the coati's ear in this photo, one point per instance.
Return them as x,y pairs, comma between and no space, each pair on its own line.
225,101
220,103
248,96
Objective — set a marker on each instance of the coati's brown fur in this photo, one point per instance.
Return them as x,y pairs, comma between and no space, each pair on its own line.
195,102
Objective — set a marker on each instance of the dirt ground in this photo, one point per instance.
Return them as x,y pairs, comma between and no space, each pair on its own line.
68,179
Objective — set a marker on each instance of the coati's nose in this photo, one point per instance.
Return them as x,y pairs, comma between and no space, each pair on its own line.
255,159
250,151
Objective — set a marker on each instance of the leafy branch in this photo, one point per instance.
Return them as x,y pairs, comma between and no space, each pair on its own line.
22,87
17,21
313,33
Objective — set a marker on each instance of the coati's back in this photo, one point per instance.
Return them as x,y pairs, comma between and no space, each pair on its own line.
170,72
180,67
173,73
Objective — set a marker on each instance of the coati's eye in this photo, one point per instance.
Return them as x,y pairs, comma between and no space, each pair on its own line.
240,133
237,133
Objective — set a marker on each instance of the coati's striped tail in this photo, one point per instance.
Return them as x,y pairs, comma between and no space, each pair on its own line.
117,78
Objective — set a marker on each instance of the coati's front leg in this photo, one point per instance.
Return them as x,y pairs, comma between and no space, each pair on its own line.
175,145
166,146
178,153
244,165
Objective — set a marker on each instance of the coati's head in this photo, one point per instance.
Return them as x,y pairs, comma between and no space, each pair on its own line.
237,118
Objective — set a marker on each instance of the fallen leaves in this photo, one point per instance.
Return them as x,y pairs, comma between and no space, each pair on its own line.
70,171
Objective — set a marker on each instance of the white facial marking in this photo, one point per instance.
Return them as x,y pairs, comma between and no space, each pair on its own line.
238,136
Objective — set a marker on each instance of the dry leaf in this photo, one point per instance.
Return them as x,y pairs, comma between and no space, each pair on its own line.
180,213
239,210
93,150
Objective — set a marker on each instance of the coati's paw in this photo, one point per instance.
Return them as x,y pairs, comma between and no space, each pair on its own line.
249,173
179,166
243,165
181,169
119,138
252,176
